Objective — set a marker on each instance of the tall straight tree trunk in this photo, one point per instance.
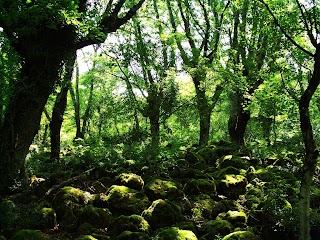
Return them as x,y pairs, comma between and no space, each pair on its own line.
311,149
59,109
75,96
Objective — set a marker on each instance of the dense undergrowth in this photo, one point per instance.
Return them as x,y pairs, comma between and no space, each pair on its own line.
216,192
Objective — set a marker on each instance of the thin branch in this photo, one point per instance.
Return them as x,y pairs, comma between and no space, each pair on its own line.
284,32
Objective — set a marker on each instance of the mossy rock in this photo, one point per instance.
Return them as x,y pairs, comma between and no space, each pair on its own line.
162,189
47,218
193,157
128,235
130,180
203,208
232,186
123,200
236,218
241,235
208,154
134,223
175,233
215,227
9,214
97,217
26,234
234,161
86,237
263,174
72,198
85,228
162,213
187,225
198,186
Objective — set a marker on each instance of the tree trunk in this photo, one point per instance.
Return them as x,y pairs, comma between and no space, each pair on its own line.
76,103
59,109
238,120
311,150
203,107
22,119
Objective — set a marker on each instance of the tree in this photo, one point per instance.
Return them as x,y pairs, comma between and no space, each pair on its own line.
44,34
59,109
309,13
202,40
251,48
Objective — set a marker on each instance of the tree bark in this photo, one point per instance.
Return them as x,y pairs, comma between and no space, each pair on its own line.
238,120
59,109
311,149
22,119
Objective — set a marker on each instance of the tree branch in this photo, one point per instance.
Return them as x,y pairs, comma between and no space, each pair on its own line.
110,23
284,32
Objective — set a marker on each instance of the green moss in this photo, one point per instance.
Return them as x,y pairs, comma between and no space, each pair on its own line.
175,233
97,217
134,223
198,186
8,216
162,213
215,227
202,208
236,218
86,237
70,197
234,161
2,238
232,186
241,235
130,180
28,235
128,235
123,200
162,189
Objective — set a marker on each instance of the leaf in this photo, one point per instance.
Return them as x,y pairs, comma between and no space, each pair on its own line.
28,1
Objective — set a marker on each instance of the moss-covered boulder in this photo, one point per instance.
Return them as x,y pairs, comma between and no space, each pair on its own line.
86,237
216,227
162,213
123,200
175,233
97,217
236,218
187,225
232,186
85,228
241,235
8,214
192,156
71,198
128,235
26,234
234,161
134,223
162,189
130,180
198,186
202,207
47,218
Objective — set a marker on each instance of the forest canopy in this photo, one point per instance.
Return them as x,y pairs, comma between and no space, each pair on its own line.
208,108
